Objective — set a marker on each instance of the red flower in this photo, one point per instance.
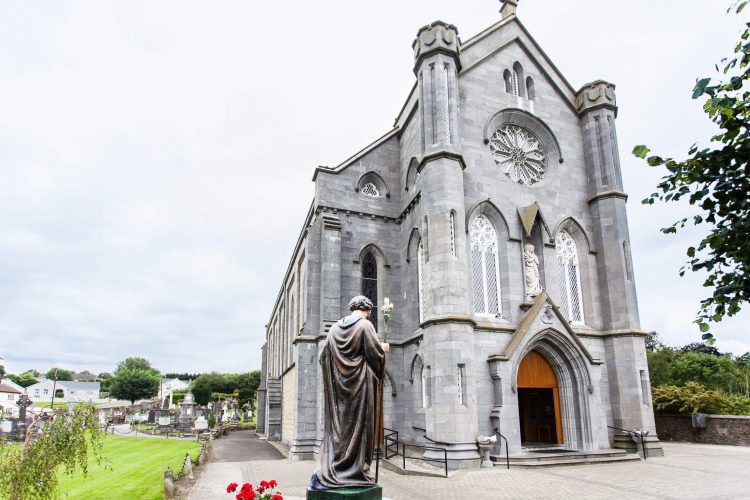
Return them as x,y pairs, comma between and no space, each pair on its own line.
272,484
265,484
246,495
277,496
232,487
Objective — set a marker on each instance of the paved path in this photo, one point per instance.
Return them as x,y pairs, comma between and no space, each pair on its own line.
686,471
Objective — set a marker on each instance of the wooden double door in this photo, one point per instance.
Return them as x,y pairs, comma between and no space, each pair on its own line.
538,402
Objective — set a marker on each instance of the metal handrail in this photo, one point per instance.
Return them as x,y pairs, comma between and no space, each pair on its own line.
392,438
639,433
507,455
388,439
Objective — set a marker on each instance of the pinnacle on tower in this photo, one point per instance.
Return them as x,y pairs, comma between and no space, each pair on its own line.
508,8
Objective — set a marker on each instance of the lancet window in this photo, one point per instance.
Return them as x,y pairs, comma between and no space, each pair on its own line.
370,284
570,277
484,264
420,278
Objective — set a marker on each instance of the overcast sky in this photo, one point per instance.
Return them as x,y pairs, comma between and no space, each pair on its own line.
156,157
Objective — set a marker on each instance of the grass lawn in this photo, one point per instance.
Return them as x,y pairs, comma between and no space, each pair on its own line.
58,404
138,466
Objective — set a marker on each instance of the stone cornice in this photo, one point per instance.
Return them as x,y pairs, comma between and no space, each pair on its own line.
441,154
375,217
607,194
438,320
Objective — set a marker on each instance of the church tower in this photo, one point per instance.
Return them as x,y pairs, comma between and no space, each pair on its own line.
446,315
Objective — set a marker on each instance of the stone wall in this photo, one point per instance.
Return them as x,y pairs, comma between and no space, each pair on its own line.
720,429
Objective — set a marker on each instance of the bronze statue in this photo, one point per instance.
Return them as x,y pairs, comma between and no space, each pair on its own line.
353,364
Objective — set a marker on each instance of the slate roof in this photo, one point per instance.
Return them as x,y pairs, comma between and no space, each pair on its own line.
7,388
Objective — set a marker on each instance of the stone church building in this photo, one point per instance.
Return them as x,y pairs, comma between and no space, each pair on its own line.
493,216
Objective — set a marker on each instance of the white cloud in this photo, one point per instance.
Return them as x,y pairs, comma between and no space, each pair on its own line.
156,157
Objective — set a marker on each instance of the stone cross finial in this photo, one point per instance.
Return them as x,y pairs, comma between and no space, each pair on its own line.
508,8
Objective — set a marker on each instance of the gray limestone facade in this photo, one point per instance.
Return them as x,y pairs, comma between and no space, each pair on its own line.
493,151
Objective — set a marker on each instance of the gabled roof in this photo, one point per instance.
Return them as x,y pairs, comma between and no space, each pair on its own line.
9,389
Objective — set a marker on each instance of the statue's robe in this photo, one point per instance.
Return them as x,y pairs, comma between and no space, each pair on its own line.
353,364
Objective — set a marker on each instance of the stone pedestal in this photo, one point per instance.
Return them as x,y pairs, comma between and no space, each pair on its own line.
374,492
485,449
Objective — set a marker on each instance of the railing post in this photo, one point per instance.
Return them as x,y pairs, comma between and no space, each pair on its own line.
403,453
445,459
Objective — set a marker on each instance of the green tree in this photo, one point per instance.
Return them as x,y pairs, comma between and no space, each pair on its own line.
132,384
660,366
65,443
716,180
135,363
59,374
247,385
702,348
714,372
201,391
653,342
2,371
24,379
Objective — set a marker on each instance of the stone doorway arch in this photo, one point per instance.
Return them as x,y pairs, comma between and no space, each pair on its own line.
573,381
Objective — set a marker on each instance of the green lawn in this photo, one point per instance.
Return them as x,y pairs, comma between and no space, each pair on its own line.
138,466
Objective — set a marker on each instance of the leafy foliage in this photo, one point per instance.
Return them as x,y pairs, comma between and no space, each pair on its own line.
717,181
136,364
65,442
24,379
202,391
59,374
132,384
244,385
695,398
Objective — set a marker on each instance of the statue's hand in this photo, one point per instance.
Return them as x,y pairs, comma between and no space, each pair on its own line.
386,346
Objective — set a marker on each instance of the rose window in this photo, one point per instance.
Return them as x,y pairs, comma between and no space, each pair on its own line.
519,153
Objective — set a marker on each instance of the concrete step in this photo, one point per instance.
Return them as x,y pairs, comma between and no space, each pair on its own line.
551,456
586,460
413,467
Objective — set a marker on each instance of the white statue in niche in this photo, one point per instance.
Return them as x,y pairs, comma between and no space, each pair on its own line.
531,272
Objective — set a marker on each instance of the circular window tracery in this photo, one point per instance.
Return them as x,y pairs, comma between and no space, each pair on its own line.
519,153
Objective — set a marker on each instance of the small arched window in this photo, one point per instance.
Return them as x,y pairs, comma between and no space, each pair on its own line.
484,267
370,189
518,81
370,284
570,277
420,279
530,92
508,82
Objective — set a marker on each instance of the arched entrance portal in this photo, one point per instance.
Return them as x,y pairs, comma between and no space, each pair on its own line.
538,402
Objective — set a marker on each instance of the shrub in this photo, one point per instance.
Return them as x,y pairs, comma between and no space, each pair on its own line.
695,398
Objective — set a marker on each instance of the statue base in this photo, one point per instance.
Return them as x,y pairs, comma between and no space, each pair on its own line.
374,492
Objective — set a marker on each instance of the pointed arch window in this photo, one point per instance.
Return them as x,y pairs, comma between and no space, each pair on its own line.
484,264
570,277
370,284
420,279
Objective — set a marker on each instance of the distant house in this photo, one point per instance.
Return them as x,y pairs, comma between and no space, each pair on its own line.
9,382
71,391
169,385
84,377
9,395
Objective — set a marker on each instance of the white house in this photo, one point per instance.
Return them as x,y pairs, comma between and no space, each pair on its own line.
9,395
71,391
167,386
